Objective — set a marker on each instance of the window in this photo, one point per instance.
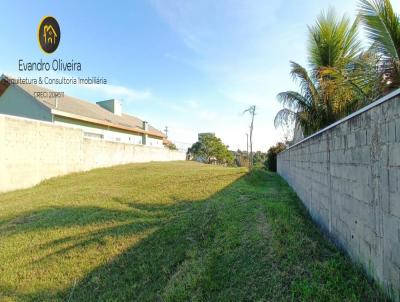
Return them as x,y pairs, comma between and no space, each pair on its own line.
93,135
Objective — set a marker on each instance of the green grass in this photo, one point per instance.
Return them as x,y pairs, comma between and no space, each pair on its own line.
169,232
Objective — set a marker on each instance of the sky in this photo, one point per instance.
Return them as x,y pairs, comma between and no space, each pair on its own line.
193,66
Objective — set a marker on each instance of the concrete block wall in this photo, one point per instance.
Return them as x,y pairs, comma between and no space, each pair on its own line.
348,177
31,151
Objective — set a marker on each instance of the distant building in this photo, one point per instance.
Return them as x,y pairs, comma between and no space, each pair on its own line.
103,120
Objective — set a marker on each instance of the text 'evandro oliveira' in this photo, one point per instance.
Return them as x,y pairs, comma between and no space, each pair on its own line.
55,65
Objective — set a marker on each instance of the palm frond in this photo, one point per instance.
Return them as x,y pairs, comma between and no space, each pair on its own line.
382,25
332,41
307,86
284,116
293,100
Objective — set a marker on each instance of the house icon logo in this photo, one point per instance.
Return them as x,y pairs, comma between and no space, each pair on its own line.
49,34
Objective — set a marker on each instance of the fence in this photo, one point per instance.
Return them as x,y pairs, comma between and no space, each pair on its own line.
31,151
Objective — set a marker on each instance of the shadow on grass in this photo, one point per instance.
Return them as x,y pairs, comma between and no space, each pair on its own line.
143,270
252,240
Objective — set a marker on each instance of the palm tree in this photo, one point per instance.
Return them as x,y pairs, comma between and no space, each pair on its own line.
330,89
333,48
333,42
302,108
382,25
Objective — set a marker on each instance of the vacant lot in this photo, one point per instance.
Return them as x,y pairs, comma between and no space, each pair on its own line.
168,231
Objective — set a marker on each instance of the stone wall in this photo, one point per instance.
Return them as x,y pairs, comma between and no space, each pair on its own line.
31,151
348,177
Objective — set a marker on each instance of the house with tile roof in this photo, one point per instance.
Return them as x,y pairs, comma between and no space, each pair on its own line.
102,120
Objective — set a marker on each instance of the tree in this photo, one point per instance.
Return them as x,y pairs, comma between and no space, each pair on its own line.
336,84
252,111
259,158
209,149
271,162
171,146
303,108
241,158
382,25
335,57
333,42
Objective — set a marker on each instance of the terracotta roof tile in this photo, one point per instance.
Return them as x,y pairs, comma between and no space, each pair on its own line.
87,109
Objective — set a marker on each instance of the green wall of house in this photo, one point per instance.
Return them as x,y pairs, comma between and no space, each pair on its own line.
15,101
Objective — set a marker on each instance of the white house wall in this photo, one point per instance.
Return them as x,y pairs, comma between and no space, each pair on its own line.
154,142
108,134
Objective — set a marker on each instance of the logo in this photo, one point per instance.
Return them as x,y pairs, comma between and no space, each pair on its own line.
49,34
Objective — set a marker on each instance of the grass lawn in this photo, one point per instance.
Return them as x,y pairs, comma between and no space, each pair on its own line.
177,231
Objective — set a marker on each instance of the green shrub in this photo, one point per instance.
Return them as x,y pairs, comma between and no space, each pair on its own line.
272,153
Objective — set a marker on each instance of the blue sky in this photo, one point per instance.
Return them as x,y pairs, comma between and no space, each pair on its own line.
191,65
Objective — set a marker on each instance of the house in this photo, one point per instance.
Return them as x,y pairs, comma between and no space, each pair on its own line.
49,34
103,120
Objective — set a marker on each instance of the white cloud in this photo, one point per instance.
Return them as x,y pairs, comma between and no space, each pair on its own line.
209,27
120,92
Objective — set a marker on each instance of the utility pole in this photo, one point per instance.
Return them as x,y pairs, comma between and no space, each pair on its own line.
247,145
247,150
252,111
166,131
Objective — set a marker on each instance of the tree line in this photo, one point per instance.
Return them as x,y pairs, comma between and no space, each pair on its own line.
211,150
